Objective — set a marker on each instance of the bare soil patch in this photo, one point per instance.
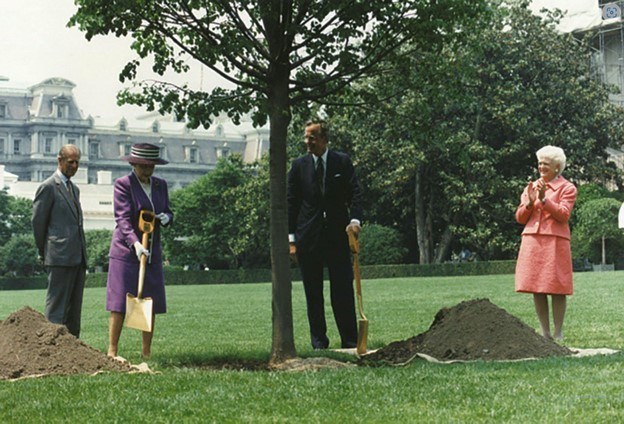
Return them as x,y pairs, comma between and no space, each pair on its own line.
472,330
30,346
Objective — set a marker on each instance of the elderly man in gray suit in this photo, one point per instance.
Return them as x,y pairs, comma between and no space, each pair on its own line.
59,234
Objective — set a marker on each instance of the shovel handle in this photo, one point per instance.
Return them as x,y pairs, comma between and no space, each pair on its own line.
145,242
354,244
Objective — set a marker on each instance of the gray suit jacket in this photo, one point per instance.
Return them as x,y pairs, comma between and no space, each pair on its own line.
57,224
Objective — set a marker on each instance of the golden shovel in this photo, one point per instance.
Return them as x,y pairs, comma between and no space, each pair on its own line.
362,322
139,309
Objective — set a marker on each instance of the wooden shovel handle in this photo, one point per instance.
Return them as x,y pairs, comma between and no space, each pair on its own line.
354,244
355,249
145,242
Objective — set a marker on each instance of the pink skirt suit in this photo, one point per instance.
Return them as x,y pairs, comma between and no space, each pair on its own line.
545,260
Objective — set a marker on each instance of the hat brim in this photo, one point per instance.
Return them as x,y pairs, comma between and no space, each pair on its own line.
133,160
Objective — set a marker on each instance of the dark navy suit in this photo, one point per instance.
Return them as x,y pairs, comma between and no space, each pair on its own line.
319,219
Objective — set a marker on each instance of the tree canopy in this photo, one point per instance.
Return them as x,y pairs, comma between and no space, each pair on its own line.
449,148
278,55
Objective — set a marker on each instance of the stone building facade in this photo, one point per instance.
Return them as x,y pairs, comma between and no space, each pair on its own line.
35,123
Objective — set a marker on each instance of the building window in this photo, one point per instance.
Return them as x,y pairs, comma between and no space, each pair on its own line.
155,127
3,111
222,152
123,125
125,148
60,107
16,146
47,145
193,155
94,150
1,146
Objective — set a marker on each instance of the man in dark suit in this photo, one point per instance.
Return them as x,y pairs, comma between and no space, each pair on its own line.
324,201
59,235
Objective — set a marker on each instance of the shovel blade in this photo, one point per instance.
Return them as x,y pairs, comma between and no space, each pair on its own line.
362,336
139,313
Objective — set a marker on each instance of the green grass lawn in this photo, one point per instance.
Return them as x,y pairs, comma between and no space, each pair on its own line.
206,324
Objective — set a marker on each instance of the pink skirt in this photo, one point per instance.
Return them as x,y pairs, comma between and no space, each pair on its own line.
544,265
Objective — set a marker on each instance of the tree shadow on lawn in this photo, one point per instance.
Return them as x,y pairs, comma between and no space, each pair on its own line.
234,362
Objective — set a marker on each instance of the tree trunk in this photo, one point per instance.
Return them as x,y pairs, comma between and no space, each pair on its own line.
421,220
283,345
604,252
443,248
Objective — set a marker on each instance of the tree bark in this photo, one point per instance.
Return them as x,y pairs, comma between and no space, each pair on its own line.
421,219
283,344
444,246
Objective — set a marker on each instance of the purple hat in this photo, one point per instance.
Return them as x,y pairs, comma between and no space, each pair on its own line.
144,154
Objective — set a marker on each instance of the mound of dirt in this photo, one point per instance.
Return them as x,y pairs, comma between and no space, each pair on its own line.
472,330
32,346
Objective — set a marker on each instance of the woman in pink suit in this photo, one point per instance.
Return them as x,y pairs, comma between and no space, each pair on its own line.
135,192
544,264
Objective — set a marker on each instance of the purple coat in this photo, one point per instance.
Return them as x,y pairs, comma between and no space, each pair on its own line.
123,271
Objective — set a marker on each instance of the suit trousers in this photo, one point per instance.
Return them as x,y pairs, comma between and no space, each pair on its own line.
64,297
341,295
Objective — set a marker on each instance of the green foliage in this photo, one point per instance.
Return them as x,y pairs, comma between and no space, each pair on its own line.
19,256
222,219
314,48
596,220
587,192
447,140
381,245
15,216
98,245
250,204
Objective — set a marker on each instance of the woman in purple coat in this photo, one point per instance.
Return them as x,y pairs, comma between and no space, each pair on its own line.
135,192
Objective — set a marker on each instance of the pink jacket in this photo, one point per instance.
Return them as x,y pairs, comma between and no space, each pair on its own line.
550,218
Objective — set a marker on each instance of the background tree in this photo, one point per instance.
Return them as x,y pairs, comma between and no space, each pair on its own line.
278,54
250,204
381,245
206,225
98,246
19,257
449,150
15,216
597,223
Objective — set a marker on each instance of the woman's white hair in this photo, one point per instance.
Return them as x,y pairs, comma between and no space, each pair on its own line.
554,154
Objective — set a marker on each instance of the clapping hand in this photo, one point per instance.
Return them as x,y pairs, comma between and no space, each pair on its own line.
540,188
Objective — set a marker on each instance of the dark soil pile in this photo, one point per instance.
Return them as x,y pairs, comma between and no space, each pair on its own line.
472,330
32,346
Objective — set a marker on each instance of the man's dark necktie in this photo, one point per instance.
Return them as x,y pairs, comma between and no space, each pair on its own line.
70,189
320,175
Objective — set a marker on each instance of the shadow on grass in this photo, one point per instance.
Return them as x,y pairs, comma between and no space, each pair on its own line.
258,361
